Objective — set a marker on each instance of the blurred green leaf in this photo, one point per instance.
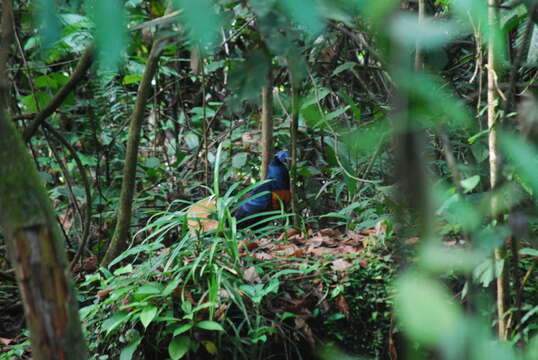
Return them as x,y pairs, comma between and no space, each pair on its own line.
306,13
128,351
523,156
192,140
209,325
49,25
470,183
110,31
427,311
131,79
239,160
429,34
181,329
178,347
529,252
116,320
202,22
475,14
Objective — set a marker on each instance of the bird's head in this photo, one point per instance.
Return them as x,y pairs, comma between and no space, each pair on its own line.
283,156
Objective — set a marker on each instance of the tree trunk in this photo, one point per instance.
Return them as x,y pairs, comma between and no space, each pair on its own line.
121,232
34,242
494,163
293,135
267,122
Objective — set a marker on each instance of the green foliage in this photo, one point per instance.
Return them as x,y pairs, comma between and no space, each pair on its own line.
185,294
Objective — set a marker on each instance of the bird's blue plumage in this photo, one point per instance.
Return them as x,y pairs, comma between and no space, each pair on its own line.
277,173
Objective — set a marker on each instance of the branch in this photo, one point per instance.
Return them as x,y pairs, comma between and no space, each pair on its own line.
82,66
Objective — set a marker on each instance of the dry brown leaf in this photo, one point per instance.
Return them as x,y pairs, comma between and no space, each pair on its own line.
328,232
5,341
224,294
412,240
199,213
299,323
348,249
316,241
342,305
340,265
287,234
381,228
164,251
263,256
103,294
251,275
90,263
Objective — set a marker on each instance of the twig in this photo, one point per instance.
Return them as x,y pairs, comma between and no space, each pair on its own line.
87,189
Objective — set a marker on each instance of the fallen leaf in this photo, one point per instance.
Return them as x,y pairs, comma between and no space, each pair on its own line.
199,213
287,234
164,251
251,275
342,305
327,232
412,240
5,341
90,263
103,294
341,265
381,228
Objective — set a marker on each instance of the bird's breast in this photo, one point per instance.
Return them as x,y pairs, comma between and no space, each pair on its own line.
280,195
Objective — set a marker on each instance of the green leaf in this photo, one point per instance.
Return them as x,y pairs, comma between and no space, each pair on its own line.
124,270
523,156
116,320
315,97
45,81
192,140
186,307
41,99
429,34
346,66
172,285
131,79
87,160
209,325
147,315
305,13
202,22
181,329
128,351
427,311
152,162
178,347
470,183
49,25
477,136
239,160
110,31
210,347
529,251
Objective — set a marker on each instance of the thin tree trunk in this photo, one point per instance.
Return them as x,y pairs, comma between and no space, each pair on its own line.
267,122
494,163
293,134
34,241
121,232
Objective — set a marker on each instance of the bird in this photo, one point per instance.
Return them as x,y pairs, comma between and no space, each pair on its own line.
274,191
266,197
